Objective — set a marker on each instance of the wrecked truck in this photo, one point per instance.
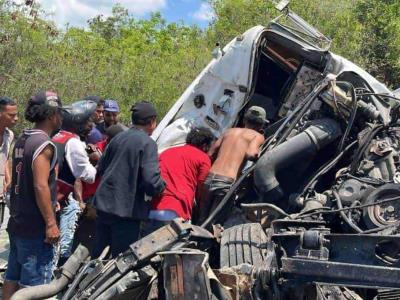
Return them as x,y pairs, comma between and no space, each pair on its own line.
316,217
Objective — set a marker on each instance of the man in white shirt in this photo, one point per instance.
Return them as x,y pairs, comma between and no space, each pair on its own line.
73,164
8,119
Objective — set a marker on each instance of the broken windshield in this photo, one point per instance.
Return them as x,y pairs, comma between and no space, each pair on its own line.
300,29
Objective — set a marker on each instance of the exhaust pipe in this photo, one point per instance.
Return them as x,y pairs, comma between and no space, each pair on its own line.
308,143
67,274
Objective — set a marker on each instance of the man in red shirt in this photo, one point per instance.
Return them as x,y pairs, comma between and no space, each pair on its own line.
184,169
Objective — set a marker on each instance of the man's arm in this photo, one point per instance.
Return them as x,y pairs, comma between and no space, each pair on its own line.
41,172
150,170
204,169
78,193
8,172
7,176
78,161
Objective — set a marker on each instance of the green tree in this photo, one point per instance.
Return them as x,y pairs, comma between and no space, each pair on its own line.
333,18
380,43
117,57
128,59
110,27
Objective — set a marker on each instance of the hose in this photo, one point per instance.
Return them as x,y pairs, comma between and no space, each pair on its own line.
77,280
352,116
340,151
378,229
343,215
380,95
67,274
306,144
296,114
324,169
264,205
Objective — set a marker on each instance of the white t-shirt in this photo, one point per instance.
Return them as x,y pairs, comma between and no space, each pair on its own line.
5,147
78,160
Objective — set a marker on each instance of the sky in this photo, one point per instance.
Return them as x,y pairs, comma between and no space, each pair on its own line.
77,12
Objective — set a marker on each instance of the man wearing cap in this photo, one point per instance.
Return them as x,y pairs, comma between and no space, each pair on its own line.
129,168
111,115
231,151
32,226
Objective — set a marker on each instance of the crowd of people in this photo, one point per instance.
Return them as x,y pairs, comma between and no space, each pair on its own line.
81,176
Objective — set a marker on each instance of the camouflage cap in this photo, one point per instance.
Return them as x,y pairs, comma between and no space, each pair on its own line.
256,114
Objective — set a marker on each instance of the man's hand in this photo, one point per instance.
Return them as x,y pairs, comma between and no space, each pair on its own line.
57,207
91,213
52,234
82,206
90,148
94,158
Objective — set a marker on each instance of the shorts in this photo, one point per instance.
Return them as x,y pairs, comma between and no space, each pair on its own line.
30,261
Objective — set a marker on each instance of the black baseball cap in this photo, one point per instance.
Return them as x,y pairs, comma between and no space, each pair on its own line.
142,111
113,130
46,97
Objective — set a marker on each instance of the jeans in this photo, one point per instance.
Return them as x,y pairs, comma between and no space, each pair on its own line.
116,232
30,261
69,216
157,219
150,226
214,190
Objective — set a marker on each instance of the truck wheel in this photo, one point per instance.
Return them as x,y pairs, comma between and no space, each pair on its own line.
245,243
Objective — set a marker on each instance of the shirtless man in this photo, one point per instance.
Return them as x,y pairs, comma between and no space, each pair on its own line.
231,151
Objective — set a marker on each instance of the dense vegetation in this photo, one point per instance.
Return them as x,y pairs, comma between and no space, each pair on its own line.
129,59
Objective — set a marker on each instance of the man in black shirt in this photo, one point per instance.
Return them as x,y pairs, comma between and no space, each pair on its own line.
129,169
32,226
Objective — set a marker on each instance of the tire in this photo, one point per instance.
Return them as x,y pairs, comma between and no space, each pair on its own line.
243,244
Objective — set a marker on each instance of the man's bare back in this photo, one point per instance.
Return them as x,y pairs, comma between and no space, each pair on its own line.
233,148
